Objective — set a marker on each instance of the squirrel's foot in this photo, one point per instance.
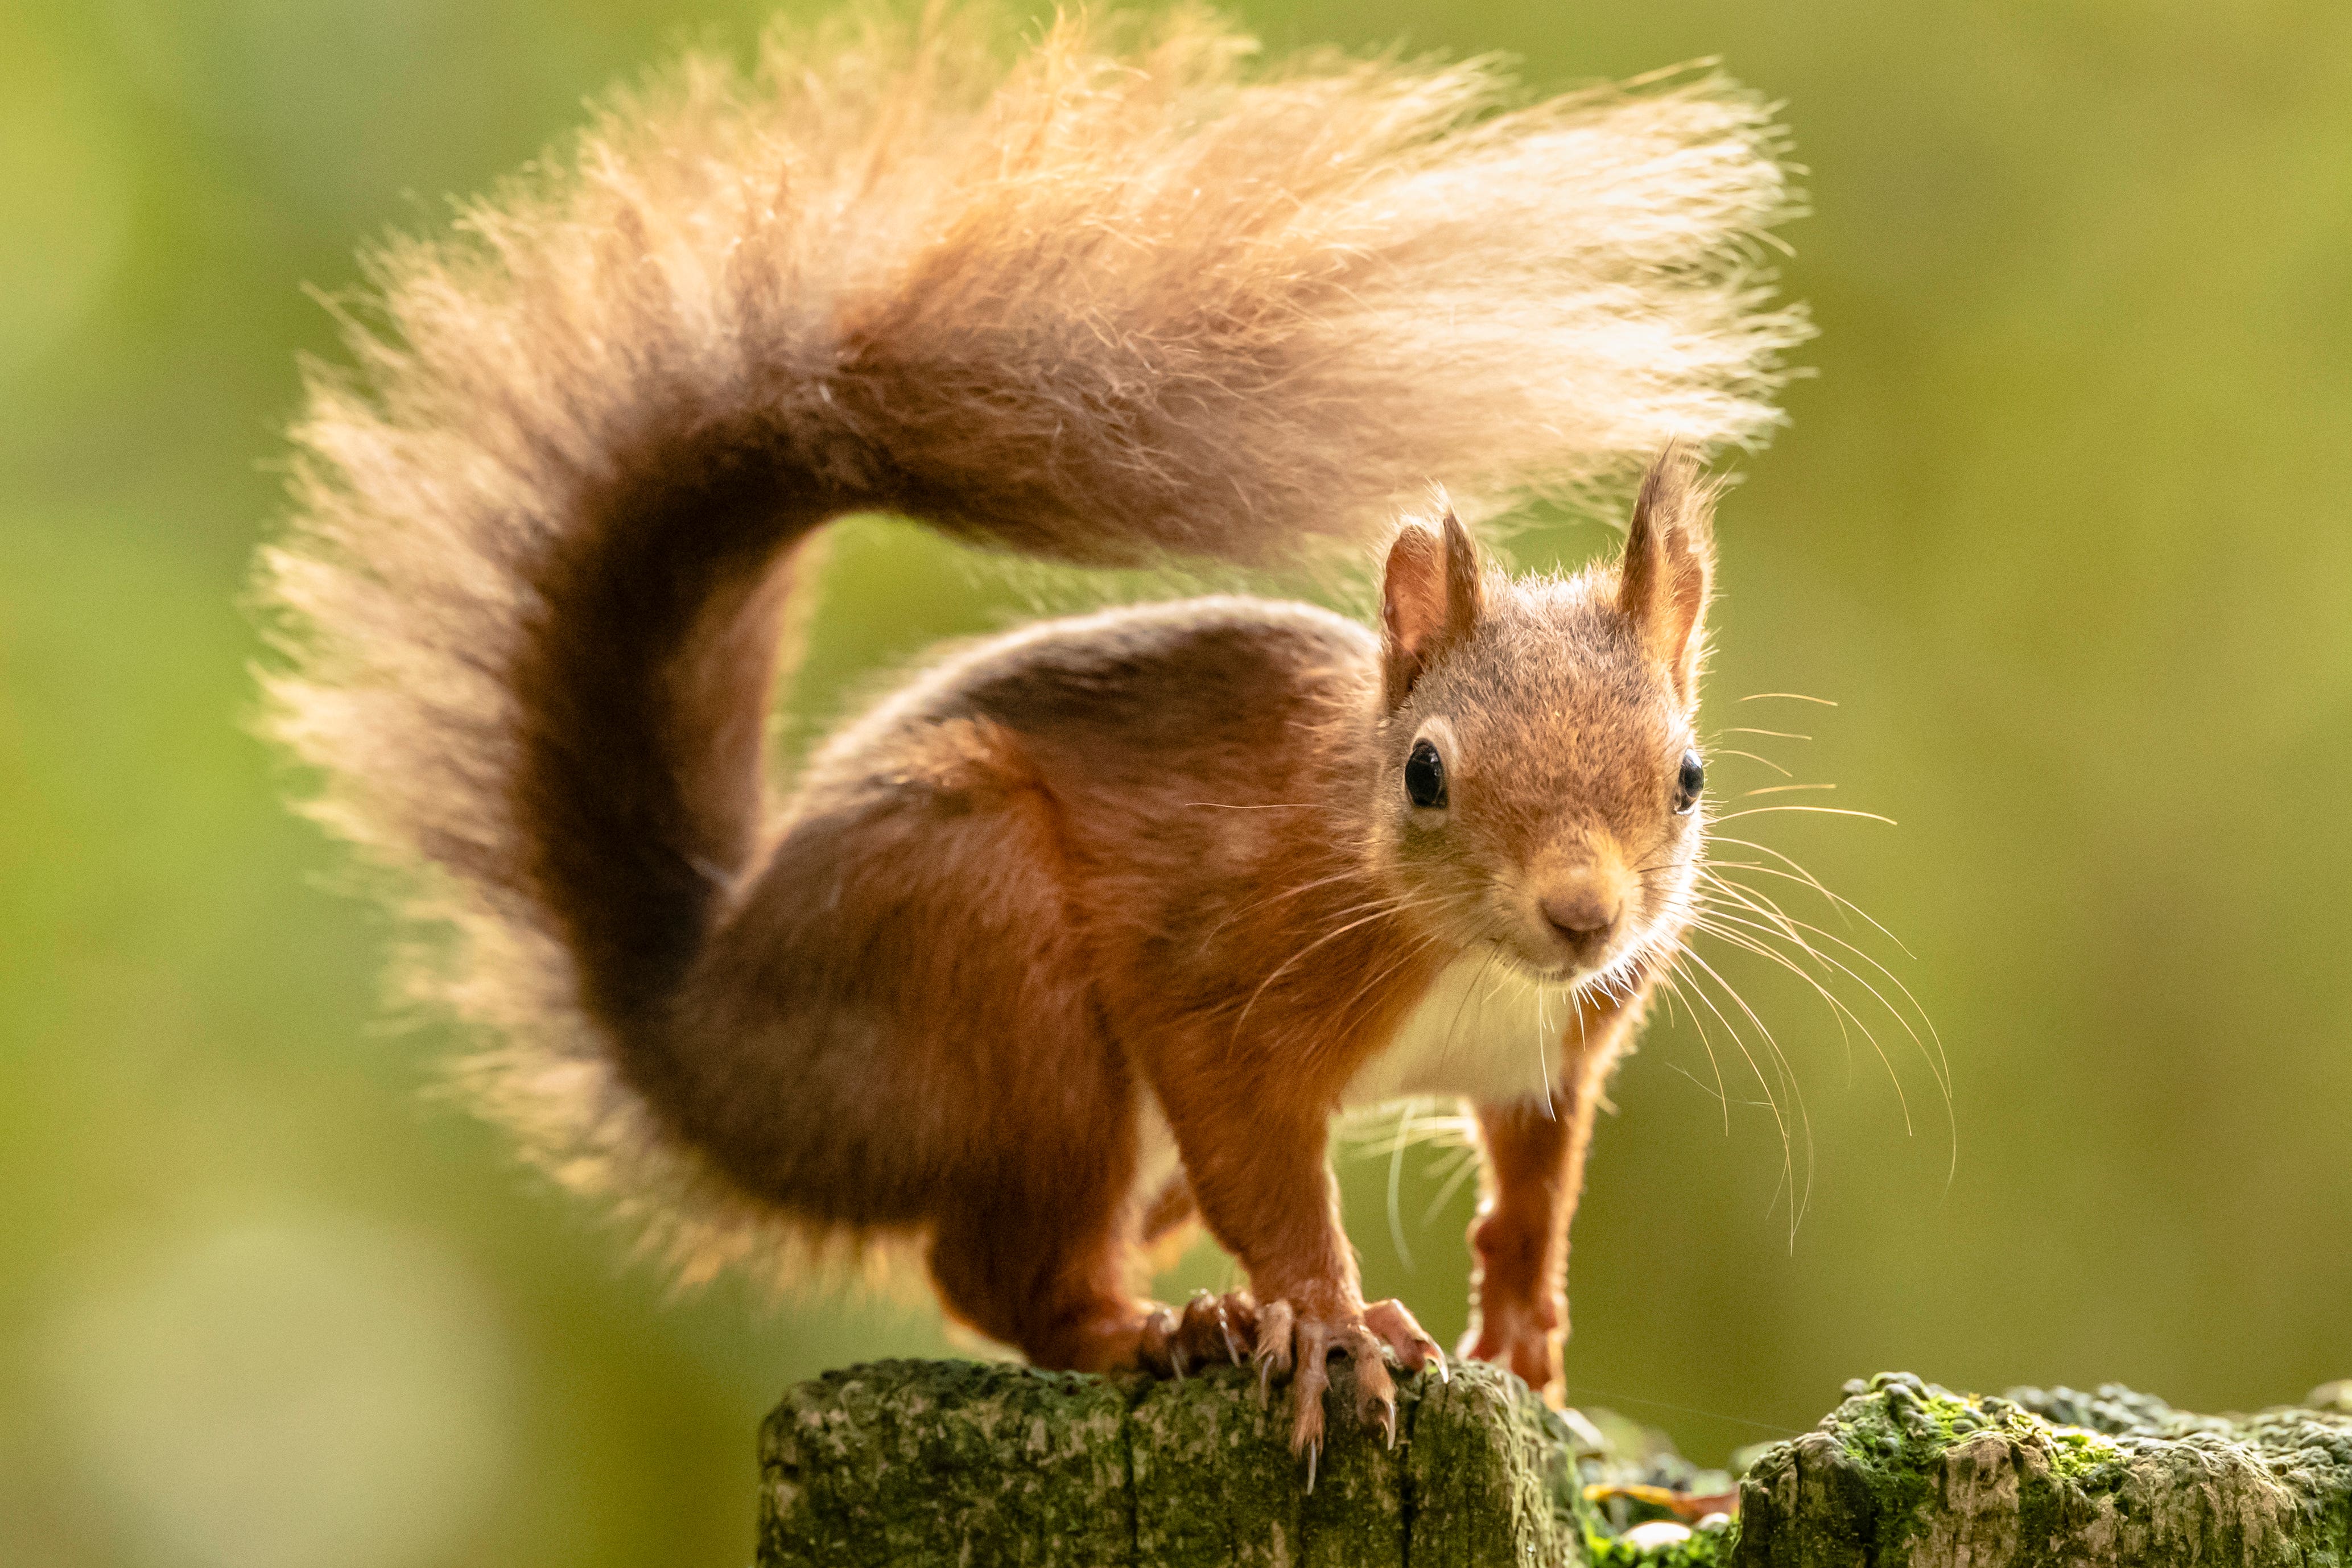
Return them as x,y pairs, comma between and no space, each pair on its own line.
1211,1328
1523,1335
1298,1339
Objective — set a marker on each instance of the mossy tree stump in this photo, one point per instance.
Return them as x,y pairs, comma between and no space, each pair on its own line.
1907,1473
916,1464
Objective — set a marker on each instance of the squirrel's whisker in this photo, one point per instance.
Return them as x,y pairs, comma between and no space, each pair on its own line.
1387,909
1273,806
1698,990
1788,1080
1396,1184
1763,908
1670,985
1807,878
1840,1011
1464,1169
1454,1025
1825,810
1938,1064
1846,910
1751,756
1347,1010
1351,873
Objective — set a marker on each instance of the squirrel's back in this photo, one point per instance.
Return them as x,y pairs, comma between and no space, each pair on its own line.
1122,297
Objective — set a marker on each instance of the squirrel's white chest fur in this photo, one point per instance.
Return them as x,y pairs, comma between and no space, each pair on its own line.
1482,1031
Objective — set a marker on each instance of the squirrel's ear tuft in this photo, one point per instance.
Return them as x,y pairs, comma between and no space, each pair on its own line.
1669,565
1432,596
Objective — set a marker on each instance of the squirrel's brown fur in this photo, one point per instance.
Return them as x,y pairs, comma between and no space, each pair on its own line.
1121,299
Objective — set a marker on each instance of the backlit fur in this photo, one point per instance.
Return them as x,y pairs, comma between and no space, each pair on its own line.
1119,294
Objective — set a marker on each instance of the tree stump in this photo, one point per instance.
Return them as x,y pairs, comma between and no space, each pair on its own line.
1907,1473
973,1464
978,1465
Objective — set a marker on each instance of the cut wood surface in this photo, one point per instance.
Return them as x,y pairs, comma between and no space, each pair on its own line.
980,1464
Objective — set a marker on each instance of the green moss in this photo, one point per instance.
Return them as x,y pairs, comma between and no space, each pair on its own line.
977,1465
854,1465
1703,1549
2081,1457
1905,1472
913,1464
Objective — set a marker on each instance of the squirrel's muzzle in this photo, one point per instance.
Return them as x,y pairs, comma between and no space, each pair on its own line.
1580,904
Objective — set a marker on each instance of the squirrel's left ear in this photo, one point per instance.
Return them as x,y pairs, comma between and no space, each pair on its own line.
1669,565
1432,596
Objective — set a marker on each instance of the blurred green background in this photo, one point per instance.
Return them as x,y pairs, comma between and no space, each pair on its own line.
2061,525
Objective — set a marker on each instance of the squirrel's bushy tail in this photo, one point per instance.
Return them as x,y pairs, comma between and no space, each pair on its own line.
1127,295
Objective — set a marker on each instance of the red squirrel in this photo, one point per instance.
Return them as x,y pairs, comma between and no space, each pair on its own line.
1092,927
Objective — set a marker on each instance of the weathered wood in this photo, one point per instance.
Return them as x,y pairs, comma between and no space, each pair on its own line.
918,1463
913,1464
1907,1475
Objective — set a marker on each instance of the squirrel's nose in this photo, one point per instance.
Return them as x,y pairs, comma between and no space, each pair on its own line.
1583,912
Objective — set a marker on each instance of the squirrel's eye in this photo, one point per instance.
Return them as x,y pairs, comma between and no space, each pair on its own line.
1424,776
1688,783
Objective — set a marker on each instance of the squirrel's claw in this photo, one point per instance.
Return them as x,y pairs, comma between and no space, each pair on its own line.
1406,1340
1173,1343
1233,1345
1273,1353
1310,1377
1375,1390
1300,1342
1206,1309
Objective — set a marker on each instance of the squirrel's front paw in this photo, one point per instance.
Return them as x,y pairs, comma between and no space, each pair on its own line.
1521,1334
1298,1338
1211,1328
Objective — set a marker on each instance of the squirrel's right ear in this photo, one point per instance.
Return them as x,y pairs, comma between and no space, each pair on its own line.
1669,567
1432,596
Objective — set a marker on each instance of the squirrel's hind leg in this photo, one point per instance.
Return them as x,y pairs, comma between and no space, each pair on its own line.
1061,1295
1044,1251
1003,1079
1041,1274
